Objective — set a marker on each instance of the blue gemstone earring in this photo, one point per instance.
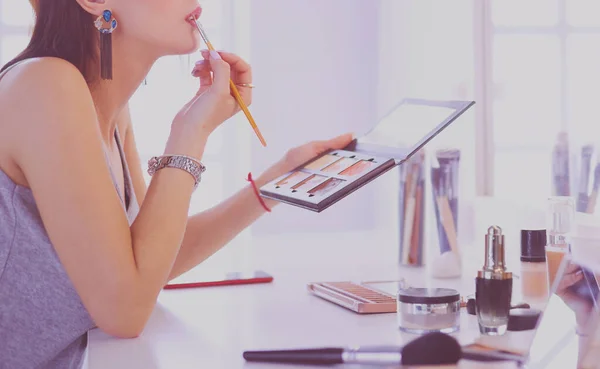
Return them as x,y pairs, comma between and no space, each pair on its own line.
106,24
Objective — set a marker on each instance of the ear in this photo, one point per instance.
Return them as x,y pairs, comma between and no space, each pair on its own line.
94,7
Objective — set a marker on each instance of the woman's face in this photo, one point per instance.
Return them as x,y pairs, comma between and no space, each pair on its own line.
163,26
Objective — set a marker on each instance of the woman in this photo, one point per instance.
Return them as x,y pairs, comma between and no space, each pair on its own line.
83,242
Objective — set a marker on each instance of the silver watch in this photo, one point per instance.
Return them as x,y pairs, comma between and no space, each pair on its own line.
190,165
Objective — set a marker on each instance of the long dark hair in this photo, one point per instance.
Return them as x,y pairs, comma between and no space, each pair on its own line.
63,30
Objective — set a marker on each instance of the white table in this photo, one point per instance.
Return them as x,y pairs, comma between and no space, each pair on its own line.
211,327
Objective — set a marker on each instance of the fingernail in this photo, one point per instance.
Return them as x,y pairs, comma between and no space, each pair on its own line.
200,62
215,55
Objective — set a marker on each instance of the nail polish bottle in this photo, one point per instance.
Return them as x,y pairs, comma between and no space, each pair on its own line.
493,286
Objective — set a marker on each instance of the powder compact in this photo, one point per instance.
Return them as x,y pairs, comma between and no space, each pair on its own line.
326,179
426,310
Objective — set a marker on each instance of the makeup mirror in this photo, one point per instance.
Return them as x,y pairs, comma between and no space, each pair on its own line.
408,126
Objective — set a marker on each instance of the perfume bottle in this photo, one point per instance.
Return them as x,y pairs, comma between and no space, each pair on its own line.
493,286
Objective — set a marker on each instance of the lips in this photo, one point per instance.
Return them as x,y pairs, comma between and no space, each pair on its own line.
195,14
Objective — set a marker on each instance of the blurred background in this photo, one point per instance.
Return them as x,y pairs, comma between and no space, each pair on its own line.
323,68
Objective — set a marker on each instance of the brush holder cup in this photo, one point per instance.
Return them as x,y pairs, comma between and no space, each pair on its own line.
444,188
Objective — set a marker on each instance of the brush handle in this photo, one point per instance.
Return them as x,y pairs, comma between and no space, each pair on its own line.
322,356
234,90
244,108
592,202
448,223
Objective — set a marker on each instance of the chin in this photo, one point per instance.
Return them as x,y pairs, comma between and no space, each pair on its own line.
183,48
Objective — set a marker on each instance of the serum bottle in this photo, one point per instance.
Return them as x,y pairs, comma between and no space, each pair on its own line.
493,286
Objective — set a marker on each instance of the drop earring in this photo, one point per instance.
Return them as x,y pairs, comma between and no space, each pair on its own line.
106,24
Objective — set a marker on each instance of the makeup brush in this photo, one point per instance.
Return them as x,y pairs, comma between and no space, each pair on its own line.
410,211
594,196
586,164
560,165
232,85
416,247
429,349
448,160
435,189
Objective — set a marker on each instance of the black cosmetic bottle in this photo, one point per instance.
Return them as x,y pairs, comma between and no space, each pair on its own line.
493,286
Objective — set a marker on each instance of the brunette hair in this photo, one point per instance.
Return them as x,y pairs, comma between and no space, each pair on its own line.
63,30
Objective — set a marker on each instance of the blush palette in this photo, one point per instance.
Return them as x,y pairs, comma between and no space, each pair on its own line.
328,178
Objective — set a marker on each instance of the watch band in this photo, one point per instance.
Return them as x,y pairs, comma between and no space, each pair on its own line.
186,163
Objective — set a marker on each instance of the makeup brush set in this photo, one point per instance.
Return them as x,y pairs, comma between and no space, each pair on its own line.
414,204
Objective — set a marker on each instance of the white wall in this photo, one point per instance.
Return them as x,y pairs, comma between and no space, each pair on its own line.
315,65
427,50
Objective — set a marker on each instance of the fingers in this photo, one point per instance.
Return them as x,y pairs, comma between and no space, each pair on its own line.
335,143
221,73
241,72
569,280
203,71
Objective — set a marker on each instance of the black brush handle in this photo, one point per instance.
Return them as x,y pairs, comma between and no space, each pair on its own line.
320,356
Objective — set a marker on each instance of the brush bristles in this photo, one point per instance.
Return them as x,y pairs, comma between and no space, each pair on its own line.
106,56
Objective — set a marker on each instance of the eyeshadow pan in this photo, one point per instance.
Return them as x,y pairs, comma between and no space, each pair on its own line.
310,182
361,167
325,187
322,162
340,165
292,179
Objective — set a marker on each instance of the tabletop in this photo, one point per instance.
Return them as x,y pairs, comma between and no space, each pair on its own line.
212,327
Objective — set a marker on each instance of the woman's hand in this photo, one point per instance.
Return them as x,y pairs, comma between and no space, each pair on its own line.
580,305
241,75
302,154
213,103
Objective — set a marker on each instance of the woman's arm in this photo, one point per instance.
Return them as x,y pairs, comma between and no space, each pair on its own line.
117,270
207,232
210,230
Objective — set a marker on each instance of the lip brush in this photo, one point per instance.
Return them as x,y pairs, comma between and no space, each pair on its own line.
234,89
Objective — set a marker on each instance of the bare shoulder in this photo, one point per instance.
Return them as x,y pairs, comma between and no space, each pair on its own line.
41,75
39,96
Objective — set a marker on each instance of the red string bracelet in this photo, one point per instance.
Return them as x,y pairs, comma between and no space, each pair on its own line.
260,199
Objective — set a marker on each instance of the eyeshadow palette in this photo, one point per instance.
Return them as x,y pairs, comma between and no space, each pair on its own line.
357,297
328,178
368,297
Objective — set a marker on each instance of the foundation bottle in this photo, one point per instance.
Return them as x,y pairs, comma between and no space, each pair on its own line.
534,275
561,211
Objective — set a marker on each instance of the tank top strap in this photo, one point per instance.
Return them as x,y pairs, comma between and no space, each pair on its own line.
4,72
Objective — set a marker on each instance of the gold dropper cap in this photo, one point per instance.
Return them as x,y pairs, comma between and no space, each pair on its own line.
494,266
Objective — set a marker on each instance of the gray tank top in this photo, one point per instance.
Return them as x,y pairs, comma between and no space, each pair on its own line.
43,323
